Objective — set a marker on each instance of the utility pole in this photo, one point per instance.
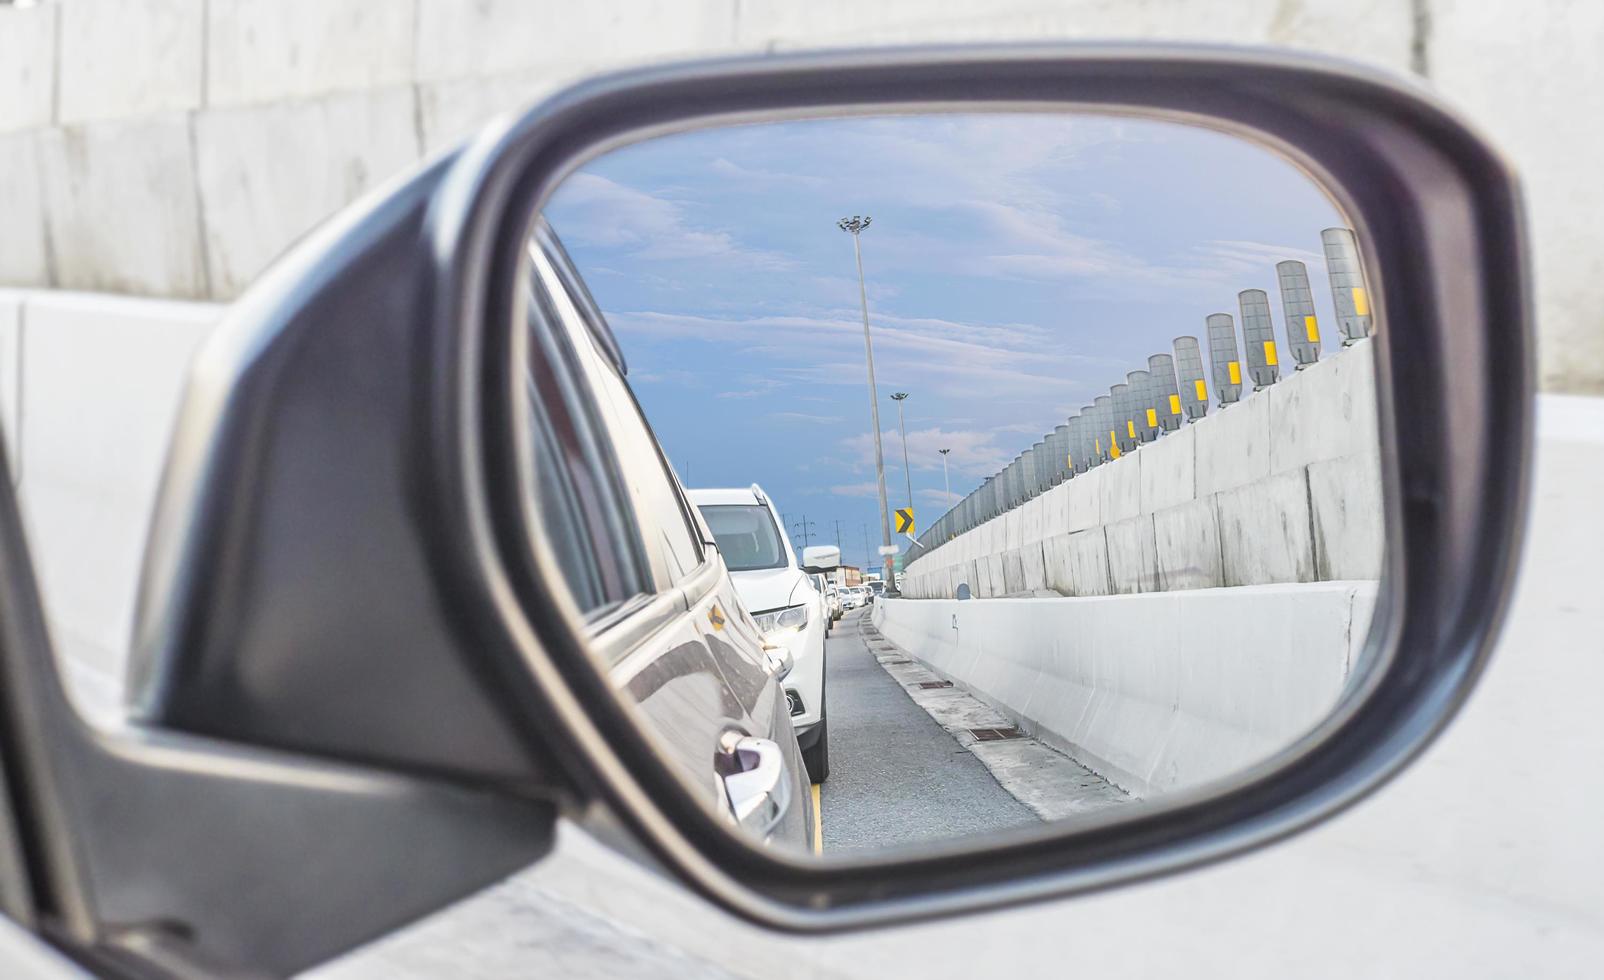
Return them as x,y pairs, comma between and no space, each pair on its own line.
838,534
945,479
855,226
868,556
899,398
805,528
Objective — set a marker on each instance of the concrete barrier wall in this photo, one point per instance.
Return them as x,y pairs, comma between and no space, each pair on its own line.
1155,692
183,121
1283,486
89,388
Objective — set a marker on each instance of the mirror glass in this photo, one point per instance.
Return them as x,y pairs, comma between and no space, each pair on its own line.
928,477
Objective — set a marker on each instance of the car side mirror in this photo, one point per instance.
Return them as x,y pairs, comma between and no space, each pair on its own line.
347,560
821,558
779,659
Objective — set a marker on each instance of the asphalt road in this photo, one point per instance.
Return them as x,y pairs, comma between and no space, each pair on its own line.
896,776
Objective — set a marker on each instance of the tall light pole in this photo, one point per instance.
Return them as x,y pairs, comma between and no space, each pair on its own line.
899,398
945,479
854,226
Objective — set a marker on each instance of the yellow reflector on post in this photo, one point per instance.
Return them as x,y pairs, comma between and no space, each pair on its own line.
1361,302
1175,403
1202,390
1130,428
1235,370
1152,419
1269,353
1311,330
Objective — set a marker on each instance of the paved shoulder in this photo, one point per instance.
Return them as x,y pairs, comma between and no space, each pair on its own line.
896,776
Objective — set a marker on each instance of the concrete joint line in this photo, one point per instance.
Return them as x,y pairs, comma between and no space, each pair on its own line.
19,379
203,247
1314,538
55,74
417,118
205,64
1420,38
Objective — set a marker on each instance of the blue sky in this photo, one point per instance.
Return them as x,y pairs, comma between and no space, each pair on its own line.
1017,266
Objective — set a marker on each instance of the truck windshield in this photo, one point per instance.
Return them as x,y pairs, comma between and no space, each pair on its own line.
746,536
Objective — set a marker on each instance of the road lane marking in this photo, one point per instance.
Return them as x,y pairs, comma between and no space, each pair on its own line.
818,823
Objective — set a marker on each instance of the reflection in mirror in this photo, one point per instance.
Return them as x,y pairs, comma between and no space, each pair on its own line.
922,477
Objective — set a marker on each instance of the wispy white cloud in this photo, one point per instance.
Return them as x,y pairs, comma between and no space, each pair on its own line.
973,450
755,387
729,170
805,417
678,377
868,489
599,212
1044,247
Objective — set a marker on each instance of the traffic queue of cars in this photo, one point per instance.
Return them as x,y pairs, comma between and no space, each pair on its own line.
753,605
794,608
858,596
784,601
716,633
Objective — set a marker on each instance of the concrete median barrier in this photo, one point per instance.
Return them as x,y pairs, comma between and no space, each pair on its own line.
1281,487
1156,692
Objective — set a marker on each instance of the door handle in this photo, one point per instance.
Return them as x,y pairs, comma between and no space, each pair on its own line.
757,785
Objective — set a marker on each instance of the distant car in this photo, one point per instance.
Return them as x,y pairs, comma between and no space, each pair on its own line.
832,598
852,597
784,601
877,589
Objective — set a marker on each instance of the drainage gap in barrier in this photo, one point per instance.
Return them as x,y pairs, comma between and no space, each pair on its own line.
933,685
995,734
896,661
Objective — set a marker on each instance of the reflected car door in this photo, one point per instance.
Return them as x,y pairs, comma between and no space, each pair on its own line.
686,653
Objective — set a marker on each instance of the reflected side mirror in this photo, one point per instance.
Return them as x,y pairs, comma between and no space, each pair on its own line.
820,559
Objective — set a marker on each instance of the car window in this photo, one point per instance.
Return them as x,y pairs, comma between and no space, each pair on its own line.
746,536
560,523
660,511
571,496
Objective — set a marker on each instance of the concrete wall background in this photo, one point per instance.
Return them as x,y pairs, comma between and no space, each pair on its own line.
1283,486
1154,692
89,388
173,147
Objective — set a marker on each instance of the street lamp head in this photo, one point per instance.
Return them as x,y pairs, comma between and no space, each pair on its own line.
899,396
854,224
944,451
